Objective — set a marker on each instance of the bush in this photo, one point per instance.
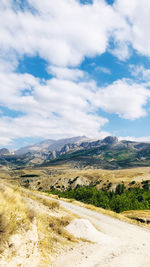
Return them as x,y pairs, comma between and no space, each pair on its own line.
118,201
132,183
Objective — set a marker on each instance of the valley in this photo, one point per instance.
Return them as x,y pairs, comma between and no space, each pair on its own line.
66,176
102,186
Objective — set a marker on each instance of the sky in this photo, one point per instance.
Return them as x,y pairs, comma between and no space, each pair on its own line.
72,68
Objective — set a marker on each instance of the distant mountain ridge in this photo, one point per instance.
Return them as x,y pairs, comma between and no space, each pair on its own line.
107,153
50,145
4,151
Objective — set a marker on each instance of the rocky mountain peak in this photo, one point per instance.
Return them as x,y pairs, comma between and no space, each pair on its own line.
110,140
4,151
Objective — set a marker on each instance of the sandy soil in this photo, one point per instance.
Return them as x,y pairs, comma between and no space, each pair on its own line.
129,245
22,250
114,243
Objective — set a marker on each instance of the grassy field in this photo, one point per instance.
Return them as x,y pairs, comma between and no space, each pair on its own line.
62,177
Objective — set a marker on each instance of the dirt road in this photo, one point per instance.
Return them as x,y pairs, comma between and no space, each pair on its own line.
129,245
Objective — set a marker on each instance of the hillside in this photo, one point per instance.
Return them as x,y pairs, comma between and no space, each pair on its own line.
66,176
50,145
40,229
109,153
36,230
32,228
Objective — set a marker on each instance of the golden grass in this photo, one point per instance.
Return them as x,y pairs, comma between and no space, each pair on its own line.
53,205
14,214
138,214
60,175
120,216
114,176
52,235
143,213
48,203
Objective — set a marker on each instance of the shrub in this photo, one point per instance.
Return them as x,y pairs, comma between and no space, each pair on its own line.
118,201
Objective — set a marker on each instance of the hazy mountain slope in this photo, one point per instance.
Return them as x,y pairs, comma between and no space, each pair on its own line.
34,148
4,151
50,145
109,153
59,144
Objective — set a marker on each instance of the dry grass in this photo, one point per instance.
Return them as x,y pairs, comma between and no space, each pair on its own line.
51,229
143,215
61,175
15,216
53,205
52,234
48,203
124,216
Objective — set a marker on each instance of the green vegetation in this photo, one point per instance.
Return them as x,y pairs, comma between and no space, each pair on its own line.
97,155
120,200
106,158
29,175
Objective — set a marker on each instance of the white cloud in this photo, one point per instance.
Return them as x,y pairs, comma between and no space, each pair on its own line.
137,16
64,33
103,69
125,98
60,107
63,36
145,139
121,50
51,109
66,73
139,72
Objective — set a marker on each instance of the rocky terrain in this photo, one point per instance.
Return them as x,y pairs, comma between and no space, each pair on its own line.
50,145
108,153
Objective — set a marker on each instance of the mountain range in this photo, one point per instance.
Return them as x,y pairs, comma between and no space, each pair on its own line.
50,145
107,153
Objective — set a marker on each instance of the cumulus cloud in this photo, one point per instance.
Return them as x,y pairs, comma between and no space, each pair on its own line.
103,69
124,98
49,109
141,73
66,73
63,36
121,50
58,107
136,13
64,33
145,139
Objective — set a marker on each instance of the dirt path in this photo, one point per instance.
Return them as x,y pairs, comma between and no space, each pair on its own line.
129,245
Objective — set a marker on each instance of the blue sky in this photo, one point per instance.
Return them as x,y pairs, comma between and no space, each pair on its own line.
82,69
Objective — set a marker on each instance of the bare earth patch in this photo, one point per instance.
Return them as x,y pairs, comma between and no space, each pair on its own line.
129,244
82,228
